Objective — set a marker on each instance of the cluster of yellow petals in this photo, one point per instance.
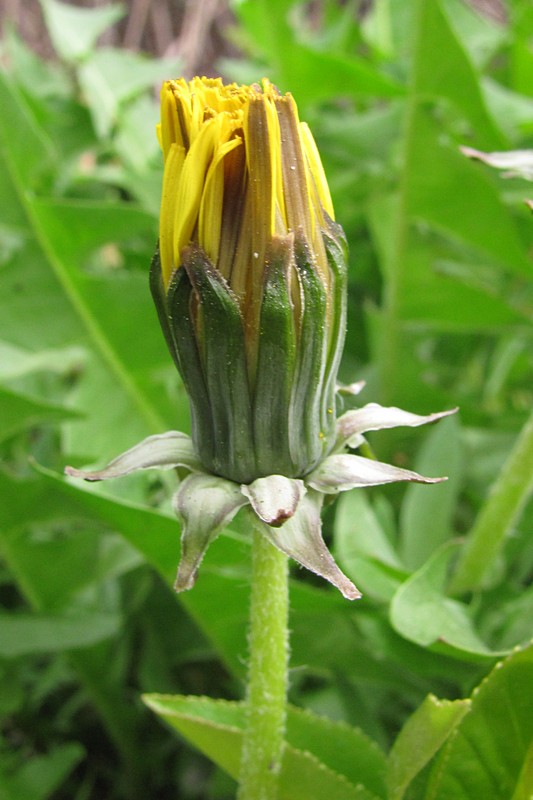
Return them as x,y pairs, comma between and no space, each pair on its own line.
239,168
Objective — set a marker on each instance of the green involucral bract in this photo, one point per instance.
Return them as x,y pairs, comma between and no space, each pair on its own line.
282,419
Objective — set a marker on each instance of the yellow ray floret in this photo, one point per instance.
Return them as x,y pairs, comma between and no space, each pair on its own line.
211,198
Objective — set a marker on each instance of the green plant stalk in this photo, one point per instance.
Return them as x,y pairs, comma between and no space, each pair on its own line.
266,699
506,500
391,336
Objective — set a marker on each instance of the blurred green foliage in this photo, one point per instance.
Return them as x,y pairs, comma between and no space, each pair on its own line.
441,305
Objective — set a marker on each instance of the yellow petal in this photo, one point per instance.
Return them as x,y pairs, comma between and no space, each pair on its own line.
210,215
171,179
316,169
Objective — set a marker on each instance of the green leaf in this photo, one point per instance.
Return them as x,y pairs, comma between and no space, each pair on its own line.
481,35
302,69
475,215
520,51
135,143
308,72
439,198
16,362
156,535
452,75
515,613
74,31
513,111
111,78
422,613
340,747
486,296
224,574
29,152
421,737
41,776
51,500
42,77
22,634
427,515
43,290
363,549
18,412
438,291
489,754
525,781
54,570
215,727
505,503
76,228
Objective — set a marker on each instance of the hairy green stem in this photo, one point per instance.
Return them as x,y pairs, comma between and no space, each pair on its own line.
266,700
504,505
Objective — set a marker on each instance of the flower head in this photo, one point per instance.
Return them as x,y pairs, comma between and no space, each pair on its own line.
250,286
250,277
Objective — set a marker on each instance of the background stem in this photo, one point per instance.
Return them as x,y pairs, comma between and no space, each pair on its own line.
267,677
392,333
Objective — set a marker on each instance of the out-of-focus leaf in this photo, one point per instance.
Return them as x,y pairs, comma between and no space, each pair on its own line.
41,776
439,197
22,634
452,75
44,290
33,73
137,146
427,517
511,620
481,35
422,613
15,362
363,549
73,30
303,70
18,412
487,297
155,535
110,78
520,50
75,229
50,500
308,72
28,153
474,215
66,557
322,623
439,292
512,110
